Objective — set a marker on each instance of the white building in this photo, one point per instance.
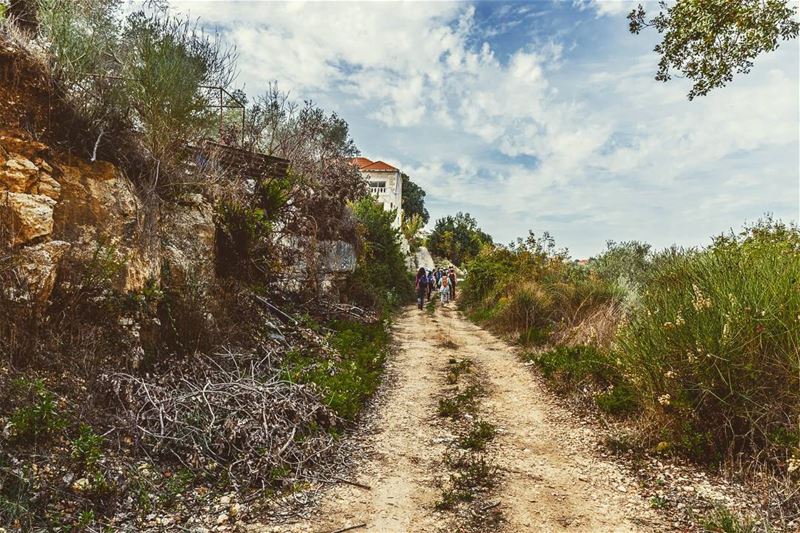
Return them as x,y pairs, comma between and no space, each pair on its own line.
385,184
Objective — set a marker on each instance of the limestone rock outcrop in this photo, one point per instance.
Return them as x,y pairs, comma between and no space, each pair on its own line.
26,217
36,268
189,239
55,207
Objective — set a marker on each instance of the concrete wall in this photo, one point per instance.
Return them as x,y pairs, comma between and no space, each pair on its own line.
391,196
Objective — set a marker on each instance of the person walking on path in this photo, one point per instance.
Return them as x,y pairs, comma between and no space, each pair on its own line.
420,285
431,284
444,291
452,277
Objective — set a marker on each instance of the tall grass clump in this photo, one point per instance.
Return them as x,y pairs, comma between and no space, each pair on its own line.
713,348
532,290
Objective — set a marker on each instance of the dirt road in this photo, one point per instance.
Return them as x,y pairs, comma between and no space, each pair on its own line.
552,480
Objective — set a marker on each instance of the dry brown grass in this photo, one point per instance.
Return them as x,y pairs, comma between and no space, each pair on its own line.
598,327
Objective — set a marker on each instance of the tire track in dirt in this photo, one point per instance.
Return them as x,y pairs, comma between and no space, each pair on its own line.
405,450
551,480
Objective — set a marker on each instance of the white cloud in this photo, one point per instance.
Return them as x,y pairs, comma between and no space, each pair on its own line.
591,148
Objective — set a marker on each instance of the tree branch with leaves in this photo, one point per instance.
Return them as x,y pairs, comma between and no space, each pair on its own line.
708,41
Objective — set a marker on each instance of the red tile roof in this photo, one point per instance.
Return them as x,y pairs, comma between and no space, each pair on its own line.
379,166
373,166
361,162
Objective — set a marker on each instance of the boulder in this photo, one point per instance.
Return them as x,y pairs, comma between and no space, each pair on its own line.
26,216
17,173
337,257
46,186
36,269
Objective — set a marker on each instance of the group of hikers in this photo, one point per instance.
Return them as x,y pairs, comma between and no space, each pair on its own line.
439,280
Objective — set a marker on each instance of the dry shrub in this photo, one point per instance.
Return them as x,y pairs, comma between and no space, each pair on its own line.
598,327
231,411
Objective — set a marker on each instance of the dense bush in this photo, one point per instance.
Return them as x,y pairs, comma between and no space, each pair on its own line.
381,278
704,343
530,289
714,345
146,72
457,238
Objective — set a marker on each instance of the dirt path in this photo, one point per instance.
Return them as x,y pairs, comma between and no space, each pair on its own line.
551,481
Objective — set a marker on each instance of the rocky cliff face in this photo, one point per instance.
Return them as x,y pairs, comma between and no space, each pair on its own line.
54,207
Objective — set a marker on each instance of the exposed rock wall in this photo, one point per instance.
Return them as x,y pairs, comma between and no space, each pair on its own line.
54,207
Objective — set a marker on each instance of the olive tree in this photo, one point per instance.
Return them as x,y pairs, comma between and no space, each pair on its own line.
708,41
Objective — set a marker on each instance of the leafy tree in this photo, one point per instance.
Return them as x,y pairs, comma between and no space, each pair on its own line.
319,145
708,41
457,238
629,260
414,200
380,278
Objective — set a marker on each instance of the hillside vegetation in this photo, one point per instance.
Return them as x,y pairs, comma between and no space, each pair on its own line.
697,349
181,336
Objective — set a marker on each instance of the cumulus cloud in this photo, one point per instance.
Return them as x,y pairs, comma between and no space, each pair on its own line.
537,130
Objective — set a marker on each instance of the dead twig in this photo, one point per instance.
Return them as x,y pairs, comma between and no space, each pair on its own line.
353,483
348,528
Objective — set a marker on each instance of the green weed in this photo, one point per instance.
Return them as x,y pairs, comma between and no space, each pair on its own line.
456,367
722,520
478,437
87,447
472,473
462,403
40,417
348,382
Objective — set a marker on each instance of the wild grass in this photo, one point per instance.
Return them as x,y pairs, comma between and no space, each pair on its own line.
714,347
723,520
701,344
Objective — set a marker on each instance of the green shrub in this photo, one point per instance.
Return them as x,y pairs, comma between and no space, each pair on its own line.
381,279
39,417
575,364
619,399
531,290
722,520
713,347
345,383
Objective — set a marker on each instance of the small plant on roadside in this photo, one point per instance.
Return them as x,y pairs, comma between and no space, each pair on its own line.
723,520
456,367
430,307
472,473
39,417
659,502
464,402
479,436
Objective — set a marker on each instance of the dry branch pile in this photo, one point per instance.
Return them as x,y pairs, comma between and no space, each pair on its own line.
232,411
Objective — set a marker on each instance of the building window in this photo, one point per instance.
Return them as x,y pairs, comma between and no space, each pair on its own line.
377,187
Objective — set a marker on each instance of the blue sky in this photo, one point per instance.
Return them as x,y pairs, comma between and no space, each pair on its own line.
534,115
